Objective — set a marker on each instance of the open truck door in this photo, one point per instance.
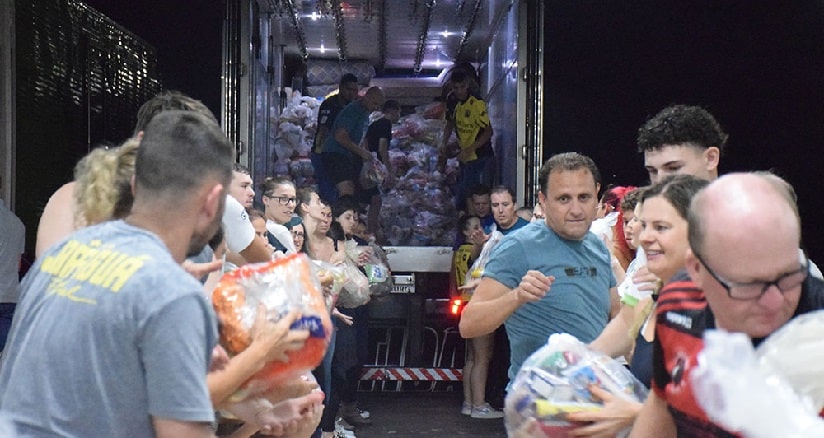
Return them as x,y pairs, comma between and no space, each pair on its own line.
274,50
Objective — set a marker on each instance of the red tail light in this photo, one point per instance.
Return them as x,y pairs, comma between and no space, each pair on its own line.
456,306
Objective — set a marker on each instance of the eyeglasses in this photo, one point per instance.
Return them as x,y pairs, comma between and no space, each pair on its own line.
283,200
297,234
756,289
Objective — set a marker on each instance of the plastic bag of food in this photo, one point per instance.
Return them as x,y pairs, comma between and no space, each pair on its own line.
355,291
476,271
555,381
282,285
332,278
377,271
373,173
775,390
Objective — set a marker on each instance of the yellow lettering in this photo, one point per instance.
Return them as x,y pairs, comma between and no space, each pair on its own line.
125,271
106,267
52,264
59,287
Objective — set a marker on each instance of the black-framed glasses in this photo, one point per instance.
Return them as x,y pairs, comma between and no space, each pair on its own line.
756,289
283,200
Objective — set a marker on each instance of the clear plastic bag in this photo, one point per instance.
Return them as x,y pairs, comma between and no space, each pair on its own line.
476,271
377,271
555,381
769,392
283,285
355,291
373,173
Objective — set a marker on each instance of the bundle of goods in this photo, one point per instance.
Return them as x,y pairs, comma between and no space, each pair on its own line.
419,186
281,286
774,390
293,136
555,381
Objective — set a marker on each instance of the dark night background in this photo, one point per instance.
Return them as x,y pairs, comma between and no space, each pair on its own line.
757,66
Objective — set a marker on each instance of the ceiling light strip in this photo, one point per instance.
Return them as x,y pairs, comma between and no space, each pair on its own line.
427,19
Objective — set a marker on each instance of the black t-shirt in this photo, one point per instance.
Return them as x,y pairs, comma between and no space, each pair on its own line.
328,112
381,128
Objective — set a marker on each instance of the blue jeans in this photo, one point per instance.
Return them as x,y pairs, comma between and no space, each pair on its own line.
326,189
473,173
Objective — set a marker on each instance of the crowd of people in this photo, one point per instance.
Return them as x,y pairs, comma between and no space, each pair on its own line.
114,317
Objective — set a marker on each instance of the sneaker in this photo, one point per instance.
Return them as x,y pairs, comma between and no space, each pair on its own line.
485,411
466,408
351,415
343,433
344,424
363,413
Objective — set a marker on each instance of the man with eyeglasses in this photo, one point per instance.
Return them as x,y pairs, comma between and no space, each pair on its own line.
746,274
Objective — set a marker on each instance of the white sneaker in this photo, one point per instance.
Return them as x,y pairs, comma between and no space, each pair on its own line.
485,411
343,433
466,408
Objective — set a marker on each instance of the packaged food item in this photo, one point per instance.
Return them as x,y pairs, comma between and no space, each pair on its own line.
555,381
282,285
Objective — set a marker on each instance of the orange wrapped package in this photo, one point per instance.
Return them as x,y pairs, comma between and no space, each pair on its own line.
281,286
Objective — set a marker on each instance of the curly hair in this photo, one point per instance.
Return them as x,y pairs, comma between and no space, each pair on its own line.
103,179
680,124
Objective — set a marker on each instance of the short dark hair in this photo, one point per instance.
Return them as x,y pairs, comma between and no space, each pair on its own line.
681,124
567,161
180,150
169,100
503,189
239,168
480,190
304,195
390,105
458,75
268,185
343,204
463,222
631,199
347,78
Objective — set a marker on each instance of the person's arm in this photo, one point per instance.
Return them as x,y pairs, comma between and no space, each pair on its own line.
257,251
383,153
165,428
270,342
614,340
493,302
654,420
614,302
342,137
482,138
57,220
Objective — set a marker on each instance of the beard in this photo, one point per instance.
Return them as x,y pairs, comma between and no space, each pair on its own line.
202,237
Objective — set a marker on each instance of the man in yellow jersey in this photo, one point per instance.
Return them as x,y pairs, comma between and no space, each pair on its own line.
467,117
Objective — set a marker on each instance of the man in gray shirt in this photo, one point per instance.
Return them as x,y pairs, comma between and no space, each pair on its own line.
111,337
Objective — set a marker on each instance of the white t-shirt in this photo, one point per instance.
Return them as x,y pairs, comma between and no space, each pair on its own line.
237,228
283,235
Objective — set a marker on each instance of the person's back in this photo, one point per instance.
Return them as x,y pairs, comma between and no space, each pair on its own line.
89,347
112,337
12,246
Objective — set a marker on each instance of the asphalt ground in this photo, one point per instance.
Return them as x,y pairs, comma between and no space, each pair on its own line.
422,414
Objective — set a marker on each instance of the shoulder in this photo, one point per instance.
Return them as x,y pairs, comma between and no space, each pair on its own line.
681,293
813,289
57,220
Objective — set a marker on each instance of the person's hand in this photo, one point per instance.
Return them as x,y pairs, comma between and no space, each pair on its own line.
344,318
464,154
616,415
276,338
220,358
200,270
646,281
478,237
364,154
364,256
534,286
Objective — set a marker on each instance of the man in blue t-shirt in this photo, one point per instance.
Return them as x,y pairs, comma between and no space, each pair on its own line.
502,201
549,277
343,155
